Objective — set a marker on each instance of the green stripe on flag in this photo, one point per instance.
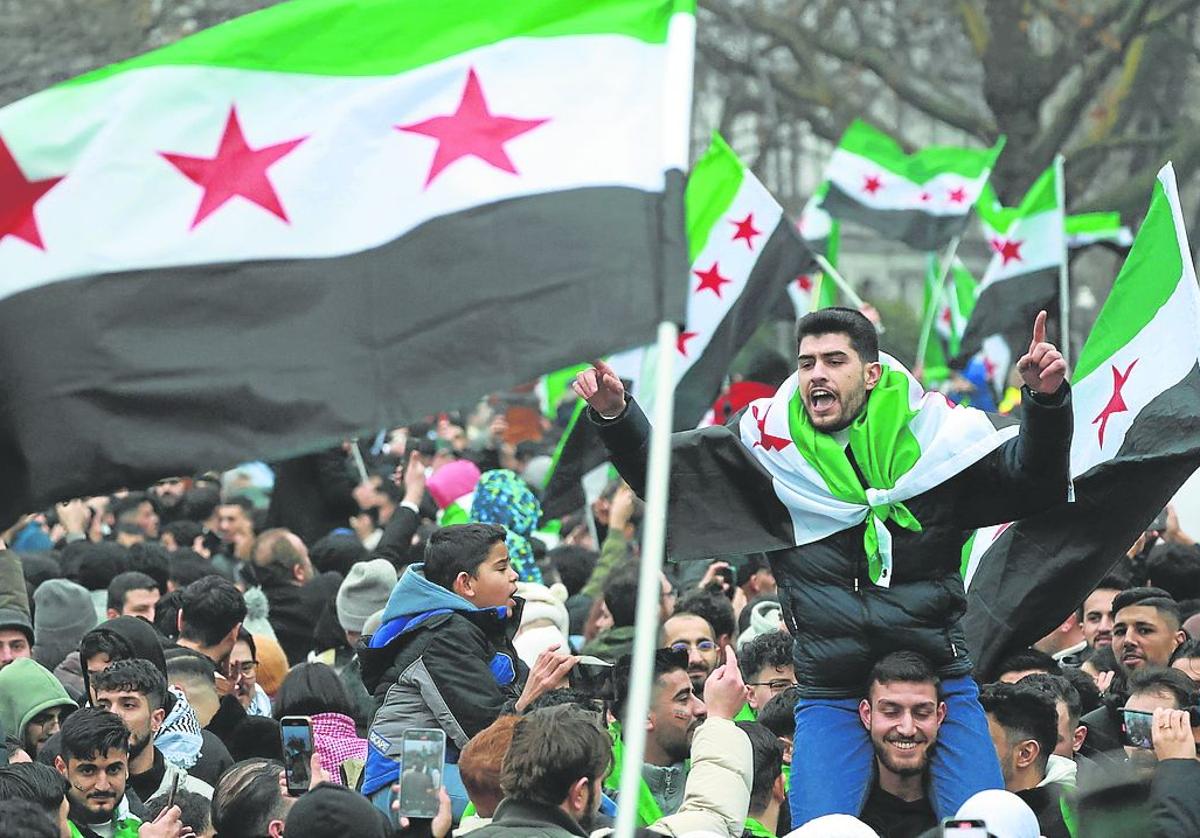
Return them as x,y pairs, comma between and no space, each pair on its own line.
387,37
867,141
713,184
562,441
1096,223
1147,279
1041,197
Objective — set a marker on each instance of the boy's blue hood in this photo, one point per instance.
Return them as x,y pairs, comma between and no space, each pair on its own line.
414,594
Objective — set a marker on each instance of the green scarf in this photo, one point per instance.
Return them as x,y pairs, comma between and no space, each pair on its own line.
884,448
124,828
756,829
647,807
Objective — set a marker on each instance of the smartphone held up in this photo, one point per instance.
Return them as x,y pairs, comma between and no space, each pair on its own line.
422,766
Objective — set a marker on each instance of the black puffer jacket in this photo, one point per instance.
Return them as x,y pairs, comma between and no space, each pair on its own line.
841,622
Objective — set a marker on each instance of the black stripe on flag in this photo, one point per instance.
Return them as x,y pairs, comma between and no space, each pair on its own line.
1008,307
120,379
919,230
1042,567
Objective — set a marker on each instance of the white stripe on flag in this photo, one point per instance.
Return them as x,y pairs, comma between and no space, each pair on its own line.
874,186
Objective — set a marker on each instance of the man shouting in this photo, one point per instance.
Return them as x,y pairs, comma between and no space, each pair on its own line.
863,488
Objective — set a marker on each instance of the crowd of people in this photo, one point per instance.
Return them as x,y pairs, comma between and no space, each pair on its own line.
152,642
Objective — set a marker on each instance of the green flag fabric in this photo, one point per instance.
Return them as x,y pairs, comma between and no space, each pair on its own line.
282,231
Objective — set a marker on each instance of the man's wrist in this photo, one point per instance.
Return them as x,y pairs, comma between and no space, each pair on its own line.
1047,399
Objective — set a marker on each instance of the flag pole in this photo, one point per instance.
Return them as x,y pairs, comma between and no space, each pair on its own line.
1064,287
830,271
649,595
359,465
927,320
815,302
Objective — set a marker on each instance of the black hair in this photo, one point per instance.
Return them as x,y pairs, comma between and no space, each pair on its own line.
712,606
166,614
779,714
246,637
905,667
199,502
1085,688
1111,582
338,552
23,819
1170,681
1024,713
566,695
769,650
123,583
119,507
194,809
152,559
211,607
864,340
190,665
244,502
574,565
109,643
94,564
1176,569
184,532
666,661
309,689
35,782
747,612
768,763
188,567
1024,660
620,595
459,548
1060,689
1148,597
247,798
133,675
89,733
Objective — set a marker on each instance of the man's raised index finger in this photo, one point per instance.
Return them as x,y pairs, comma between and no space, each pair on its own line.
603,368
1039,330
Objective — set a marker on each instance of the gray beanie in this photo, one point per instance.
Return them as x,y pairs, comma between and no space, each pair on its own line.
365,590
63,614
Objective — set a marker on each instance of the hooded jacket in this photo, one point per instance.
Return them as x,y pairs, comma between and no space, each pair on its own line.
26,689
436,661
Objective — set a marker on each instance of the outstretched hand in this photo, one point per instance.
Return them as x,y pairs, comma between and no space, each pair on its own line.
1042,368
601,388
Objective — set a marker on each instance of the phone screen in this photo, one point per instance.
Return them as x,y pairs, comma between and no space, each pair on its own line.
296,734
423,756
962,828
1137,729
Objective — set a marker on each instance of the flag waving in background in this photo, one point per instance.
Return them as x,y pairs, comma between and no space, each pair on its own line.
1091,228
952,304
1028,249
744,251
284,230
811,291
1136,401
921,199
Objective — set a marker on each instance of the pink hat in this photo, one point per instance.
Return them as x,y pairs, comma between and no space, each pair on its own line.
452,481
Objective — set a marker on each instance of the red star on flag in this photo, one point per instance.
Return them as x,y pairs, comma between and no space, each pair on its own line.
872,184
946,315
765,440
958,195
1009,250
711,280
472,130
805,282
989,368
18,197
237,169
745,230
1116,402
925,196
1000,531
682,340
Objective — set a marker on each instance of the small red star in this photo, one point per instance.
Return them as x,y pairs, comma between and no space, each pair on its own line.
472,130
711,280
872,184
682,340
237,169
745,230
765,440
1009,250
989,368
18,197
946,316
1116,402
957,196
805,282
925,196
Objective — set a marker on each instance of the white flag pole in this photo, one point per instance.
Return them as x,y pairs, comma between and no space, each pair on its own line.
830,271
633,726
1064,286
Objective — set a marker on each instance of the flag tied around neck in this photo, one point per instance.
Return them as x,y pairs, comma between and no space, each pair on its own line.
284,230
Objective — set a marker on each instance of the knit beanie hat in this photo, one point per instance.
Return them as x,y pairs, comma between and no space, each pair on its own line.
364,591
63,614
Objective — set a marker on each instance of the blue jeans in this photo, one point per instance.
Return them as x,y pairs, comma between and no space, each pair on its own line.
451,779
833,760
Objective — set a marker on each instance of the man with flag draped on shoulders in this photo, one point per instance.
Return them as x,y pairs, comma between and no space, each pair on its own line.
863,489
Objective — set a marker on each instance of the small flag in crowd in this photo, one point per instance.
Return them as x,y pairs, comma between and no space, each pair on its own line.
952,304
921,199
1022,278
1136,403
744,252
285,230
811,291
1091,228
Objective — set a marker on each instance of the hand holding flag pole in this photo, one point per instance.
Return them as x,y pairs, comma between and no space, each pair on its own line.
1042,368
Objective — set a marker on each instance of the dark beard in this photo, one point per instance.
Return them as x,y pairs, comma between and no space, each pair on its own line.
588,819
885,758
136,748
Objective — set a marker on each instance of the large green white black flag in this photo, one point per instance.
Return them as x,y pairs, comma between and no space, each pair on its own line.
1136,396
